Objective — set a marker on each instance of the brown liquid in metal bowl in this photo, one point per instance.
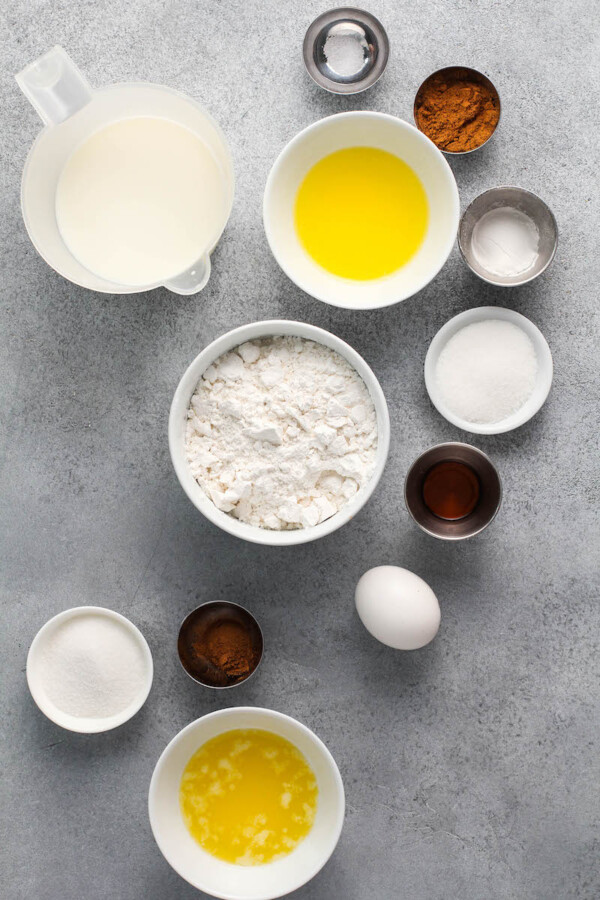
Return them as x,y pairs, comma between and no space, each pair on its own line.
451,490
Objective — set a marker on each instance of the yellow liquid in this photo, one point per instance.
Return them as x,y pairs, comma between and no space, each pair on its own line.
361,213
248,796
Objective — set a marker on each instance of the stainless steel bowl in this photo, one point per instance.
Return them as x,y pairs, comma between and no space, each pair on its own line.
490,492
197,623
366,39
475,76
528,203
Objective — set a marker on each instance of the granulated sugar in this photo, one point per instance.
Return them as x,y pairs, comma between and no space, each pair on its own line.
92,667
282,432
487,371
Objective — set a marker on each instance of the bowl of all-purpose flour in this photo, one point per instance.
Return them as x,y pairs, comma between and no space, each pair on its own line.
279,432
488,370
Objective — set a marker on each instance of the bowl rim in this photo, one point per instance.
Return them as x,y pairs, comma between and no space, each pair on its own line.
86,725
490,278
544,375
326,122
479,74
230,712
181,402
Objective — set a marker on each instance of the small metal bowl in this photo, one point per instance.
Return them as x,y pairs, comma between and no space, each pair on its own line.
526,202
490,492
198,623
475,76
357,27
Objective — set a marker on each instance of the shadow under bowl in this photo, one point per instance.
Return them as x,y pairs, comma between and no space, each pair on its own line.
490,492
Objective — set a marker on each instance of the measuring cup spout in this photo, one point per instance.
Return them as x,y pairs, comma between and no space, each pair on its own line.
193,280
54,86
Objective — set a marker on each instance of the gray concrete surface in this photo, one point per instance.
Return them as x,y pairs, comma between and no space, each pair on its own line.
471,767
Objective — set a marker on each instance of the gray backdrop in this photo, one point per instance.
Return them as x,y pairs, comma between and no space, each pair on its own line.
470,767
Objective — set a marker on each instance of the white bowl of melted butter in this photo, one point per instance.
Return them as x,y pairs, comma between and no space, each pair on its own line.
246,750
361,210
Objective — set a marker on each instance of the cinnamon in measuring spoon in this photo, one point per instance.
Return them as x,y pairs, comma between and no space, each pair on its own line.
451,490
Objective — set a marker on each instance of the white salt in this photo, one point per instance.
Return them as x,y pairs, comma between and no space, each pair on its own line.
92,667
345,52
487,371
505,242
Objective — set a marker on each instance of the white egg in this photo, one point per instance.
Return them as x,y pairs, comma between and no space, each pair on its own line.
397,607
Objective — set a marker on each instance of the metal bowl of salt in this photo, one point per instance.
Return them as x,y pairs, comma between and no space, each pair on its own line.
346,50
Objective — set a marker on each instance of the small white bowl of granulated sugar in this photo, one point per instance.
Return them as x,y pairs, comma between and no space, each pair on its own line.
279,432
488,370
89,669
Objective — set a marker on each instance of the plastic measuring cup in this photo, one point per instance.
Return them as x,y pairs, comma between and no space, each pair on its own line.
72,111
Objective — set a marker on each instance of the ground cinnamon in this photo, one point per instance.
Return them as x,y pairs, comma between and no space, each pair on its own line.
220,644
456,110
227,645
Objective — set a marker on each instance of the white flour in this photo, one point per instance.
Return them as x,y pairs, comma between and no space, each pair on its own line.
282,432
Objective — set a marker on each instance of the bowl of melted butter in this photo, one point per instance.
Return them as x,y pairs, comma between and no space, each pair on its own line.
246,804
361,210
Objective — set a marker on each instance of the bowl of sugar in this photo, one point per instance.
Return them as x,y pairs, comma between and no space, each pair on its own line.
89,669
488,370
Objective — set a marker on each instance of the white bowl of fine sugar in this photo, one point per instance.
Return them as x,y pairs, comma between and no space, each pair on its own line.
488,370
279,432
89,669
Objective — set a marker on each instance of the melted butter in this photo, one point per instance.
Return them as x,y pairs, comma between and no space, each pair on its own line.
248,796
361,213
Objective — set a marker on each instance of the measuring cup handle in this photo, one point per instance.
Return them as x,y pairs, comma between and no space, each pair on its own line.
193,280
54,86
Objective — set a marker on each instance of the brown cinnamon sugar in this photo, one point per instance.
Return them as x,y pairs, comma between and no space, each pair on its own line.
457,110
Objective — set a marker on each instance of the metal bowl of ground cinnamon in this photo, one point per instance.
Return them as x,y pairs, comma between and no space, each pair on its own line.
220,644
458,109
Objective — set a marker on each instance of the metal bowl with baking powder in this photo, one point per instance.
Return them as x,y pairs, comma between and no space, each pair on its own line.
362,50
524,201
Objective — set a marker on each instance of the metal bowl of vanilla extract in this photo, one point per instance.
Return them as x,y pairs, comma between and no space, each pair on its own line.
453,491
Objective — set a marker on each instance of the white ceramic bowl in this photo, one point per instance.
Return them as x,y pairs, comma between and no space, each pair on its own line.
35,673
178,420
225,880
544,374
351,129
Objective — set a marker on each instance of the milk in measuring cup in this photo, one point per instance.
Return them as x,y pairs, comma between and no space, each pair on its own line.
138,198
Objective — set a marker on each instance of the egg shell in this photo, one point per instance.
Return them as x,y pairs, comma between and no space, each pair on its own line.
397,607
